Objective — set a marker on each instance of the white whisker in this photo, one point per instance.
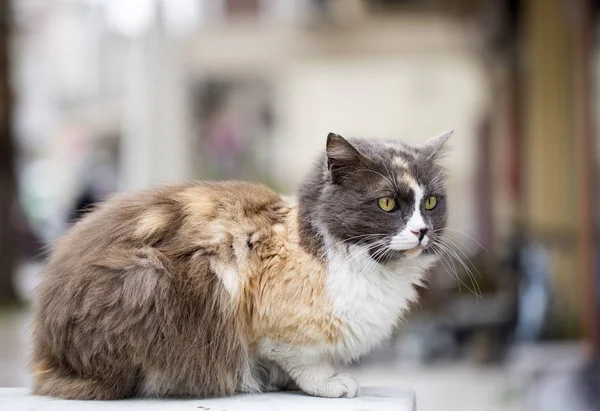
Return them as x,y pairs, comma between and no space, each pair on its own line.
463,233
448,248
367,237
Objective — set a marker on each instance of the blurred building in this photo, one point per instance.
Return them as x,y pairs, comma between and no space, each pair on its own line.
115,94
123,94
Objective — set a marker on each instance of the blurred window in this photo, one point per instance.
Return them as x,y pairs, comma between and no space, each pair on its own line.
242,7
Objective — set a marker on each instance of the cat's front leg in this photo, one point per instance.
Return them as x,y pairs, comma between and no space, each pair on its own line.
311,370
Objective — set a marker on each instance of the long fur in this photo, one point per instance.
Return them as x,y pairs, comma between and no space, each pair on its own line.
210,289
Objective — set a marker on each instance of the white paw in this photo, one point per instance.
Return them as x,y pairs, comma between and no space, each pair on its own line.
343,385
340,385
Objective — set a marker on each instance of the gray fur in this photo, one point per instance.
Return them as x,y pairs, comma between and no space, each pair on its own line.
340,194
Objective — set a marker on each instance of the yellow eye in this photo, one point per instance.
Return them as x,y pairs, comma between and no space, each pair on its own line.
387,203
430,203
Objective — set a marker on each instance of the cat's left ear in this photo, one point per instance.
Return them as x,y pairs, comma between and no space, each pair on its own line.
435,146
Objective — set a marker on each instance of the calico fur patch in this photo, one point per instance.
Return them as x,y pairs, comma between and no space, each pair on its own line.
208,289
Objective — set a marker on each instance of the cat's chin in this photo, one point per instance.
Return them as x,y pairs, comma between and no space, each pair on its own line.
400,255
413,252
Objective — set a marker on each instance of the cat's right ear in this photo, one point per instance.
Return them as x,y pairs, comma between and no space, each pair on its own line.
342,157
436,146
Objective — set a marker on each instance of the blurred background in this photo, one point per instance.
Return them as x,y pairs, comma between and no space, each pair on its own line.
98,96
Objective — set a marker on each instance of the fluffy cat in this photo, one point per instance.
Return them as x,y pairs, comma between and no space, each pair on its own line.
210,289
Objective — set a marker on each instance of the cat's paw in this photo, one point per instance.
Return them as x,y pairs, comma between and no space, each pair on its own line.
340,385
343,385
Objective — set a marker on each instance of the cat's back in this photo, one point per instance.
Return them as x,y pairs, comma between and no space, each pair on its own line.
169,218
181,233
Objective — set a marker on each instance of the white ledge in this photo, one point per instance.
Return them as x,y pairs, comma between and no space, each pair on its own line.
371,398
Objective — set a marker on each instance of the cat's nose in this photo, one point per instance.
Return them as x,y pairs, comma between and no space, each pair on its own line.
421,233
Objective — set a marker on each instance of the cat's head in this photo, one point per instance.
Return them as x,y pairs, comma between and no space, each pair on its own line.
388,197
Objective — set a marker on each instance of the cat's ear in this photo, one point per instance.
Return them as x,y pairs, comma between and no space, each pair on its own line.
342,157
435,146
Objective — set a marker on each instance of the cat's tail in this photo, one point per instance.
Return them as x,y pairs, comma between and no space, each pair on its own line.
55,382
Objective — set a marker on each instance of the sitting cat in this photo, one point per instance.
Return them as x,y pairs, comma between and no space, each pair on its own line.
215,288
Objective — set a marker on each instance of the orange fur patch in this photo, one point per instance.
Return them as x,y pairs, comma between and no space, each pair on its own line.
276,286
151,222
285,298
400,162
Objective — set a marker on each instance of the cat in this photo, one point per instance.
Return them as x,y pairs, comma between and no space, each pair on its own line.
215,288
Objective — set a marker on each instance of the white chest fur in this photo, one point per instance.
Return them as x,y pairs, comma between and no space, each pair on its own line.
369,298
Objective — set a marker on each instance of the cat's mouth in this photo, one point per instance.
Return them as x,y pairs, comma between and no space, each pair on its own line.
390,254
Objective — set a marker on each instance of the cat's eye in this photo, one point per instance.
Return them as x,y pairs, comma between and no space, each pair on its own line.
430,203
387,204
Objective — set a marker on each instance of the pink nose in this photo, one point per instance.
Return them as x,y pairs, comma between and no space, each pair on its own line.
421,233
